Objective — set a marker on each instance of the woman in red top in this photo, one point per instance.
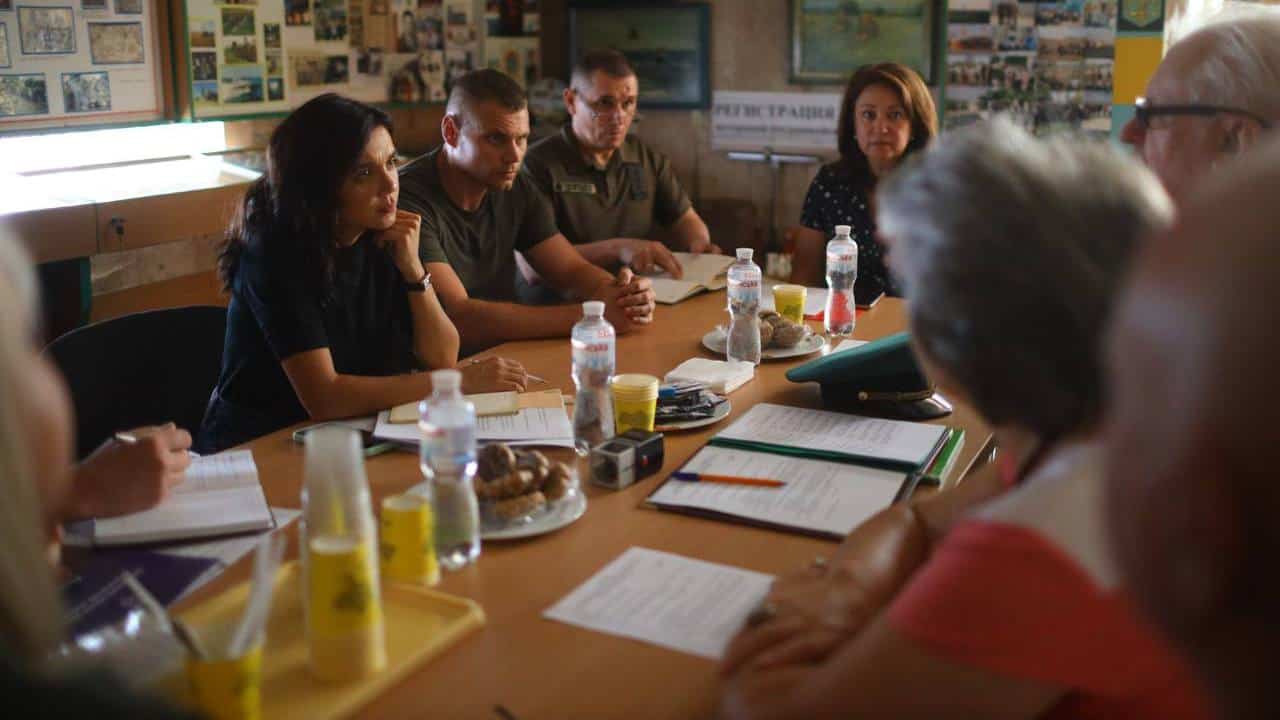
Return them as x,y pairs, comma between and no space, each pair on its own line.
1012,251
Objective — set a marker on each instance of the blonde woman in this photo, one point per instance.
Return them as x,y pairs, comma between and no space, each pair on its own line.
35,477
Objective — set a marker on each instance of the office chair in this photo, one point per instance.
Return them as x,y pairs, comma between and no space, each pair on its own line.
147,368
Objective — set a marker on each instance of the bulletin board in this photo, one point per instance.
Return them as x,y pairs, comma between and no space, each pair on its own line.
1048,65
79,62
256,57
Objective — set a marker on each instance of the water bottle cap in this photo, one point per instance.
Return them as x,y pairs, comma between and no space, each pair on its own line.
745,253
446,380
593,308
843,230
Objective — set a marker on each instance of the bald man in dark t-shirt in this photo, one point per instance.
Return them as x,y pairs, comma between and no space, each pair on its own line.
477,211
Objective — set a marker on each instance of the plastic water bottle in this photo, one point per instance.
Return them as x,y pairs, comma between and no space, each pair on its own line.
593,365
448,461
743,342
842,273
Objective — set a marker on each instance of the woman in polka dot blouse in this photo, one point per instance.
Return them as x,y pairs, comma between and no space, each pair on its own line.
886,114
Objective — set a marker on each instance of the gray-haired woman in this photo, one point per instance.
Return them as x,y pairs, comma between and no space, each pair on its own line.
1012,251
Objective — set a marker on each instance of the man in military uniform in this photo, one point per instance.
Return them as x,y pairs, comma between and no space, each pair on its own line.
612,192
478,211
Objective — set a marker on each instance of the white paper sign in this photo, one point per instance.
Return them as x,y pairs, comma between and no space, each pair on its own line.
792,121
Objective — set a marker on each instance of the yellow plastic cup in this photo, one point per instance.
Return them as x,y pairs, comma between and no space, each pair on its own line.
788,300
407,545
635,401
227,688
345,630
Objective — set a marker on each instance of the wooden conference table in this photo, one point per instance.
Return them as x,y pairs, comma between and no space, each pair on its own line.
540,669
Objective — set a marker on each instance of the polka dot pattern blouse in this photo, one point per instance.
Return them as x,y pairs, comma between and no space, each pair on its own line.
831,201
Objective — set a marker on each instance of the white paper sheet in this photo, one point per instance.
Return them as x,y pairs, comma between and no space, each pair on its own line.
848,344
819,495
668,600
892,440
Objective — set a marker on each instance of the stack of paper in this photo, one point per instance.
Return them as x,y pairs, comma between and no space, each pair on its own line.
220,495
834,436
820,497
701,272
720,376
835,470
541,420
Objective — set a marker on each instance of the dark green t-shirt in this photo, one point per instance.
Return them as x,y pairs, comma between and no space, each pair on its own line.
633,195
478,245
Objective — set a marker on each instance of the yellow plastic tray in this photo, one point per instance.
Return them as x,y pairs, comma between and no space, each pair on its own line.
420,624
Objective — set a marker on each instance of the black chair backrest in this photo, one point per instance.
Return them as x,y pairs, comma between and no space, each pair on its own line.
142,369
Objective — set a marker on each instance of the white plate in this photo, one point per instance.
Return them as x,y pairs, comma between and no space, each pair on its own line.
561,514
812,343
721,412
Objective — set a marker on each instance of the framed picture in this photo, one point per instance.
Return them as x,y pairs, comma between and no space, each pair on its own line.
25,94
832,38
46,30
116,43
669,45
4,46
86,92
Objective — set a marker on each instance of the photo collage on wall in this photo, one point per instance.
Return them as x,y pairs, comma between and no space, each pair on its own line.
75,58
254,56
511,39
1047,65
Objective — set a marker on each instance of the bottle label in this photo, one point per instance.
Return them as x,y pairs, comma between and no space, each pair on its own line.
597,355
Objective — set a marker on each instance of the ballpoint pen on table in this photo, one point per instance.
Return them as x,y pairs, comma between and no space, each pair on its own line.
727,479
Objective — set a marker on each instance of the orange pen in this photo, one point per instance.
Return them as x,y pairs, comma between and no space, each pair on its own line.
727,479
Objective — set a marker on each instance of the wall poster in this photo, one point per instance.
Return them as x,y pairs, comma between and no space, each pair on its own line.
78,62
1048,65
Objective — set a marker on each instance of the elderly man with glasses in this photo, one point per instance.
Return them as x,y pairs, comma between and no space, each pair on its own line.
1215,93
612,192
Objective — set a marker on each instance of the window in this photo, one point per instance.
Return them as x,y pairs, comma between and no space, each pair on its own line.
81,148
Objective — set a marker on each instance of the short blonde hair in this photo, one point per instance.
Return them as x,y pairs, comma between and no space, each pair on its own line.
30,610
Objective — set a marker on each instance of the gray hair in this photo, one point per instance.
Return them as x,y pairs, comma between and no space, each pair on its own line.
1012,250
1242,69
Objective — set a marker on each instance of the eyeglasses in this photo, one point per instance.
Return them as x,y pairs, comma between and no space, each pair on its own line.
608,106
1144,111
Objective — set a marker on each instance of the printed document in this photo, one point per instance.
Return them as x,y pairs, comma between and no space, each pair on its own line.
822,430
821,496
668,600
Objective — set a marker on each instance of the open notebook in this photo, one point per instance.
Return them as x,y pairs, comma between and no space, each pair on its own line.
701,272
539,420
838,469
220,495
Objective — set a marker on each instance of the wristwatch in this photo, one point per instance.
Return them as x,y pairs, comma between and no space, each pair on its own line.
421,285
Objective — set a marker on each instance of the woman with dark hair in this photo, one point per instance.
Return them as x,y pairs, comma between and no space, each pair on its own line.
886,114
332,312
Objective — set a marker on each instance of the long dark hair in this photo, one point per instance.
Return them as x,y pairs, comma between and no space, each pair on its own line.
294,205
916,100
